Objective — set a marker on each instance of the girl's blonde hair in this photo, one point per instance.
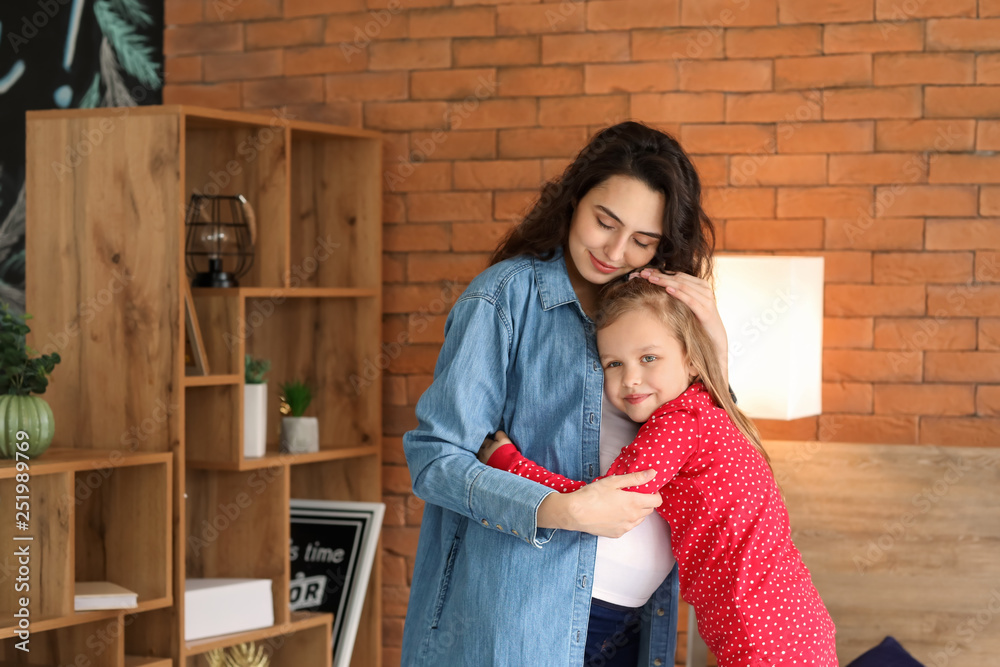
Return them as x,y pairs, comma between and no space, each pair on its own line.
639,294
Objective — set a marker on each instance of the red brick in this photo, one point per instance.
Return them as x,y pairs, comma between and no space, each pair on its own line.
540,81
891,10
591,109
828,202
630,78
773,107
585,48
294,8
728,138
409,54
774,234
513,204
862,300
962,101
900,201
678,107
988,266
401,541
988,400
453,22
394,328
964,300
719,13
433,267
823,71
925,135
494,114
418,177
847,333
393,208
414,359
796,429
871,366
873,37
865,428
800,40
478,236
767,169
729,203
849,397
847,267
831,11
451,84
630,14
397,420
497,52
322,60
394,601
963,367
989,8
923,267
989,201
988,135
406,238
907,68
202,39
541,18
450,206
953,168
497,174
959,431
213,95
393,393
183,11
844,137
182,69
439,145
848,104
713,170
242,10
878,168
725,75
250,65
270,34
406,115
355,31
425,327
367,86
392,450
393,269
988,68
924,333
867,233
963,234
674,44
541,142
963,34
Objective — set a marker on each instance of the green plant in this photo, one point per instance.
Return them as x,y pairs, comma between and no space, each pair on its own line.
297,396
20,374
256,369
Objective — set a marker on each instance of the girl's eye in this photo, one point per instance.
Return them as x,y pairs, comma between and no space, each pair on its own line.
613,364
647,358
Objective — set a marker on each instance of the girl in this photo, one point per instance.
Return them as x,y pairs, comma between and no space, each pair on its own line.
506,569
753,596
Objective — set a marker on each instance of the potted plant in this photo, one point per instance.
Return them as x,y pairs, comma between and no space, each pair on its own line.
299,434
255,407
20,377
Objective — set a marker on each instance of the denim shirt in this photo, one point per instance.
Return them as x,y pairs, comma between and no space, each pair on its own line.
489,586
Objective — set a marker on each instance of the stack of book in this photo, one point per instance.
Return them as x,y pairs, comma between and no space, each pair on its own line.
92,595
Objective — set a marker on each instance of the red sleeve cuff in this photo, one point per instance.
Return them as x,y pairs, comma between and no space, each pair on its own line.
504,457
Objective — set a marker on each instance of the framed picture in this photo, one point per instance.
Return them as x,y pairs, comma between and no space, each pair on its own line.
332,550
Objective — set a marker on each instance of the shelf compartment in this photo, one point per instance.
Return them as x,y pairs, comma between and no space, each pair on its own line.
303,640
140,661
237,525
275,458
213,424
69,459
336,211
220,318
96,643
252,160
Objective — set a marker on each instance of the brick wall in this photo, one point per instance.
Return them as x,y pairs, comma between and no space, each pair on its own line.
861,130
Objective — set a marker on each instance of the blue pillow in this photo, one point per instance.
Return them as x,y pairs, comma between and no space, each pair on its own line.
887,654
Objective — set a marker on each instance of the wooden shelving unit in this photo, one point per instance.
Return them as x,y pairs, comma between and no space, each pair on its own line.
105,263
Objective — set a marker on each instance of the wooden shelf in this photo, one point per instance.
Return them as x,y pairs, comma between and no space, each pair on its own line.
299,621
80,618
211,380
275,459
67,459
287,292
139,661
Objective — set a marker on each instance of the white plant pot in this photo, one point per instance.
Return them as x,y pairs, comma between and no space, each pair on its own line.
299,435
254,420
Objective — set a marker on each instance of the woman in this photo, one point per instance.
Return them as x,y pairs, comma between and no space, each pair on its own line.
505,568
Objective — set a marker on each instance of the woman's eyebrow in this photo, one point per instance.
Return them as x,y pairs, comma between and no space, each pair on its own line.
611,214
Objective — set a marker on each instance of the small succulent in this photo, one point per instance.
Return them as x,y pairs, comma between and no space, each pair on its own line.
297,396
256,369
20,374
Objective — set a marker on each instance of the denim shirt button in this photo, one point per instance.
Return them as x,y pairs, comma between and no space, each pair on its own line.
485,522
592,417
657,662
597,366
498,527
513,532
660,612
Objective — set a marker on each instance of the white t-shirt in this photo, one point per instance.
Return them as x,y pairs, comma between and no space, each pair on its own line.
630,568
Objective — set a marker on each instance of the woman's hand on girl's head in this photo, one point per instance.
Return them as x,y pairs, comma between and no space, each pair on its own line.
699,296
491,444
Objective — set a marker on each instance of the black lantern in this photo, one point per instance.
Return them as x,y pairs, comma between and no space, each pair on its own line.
220,237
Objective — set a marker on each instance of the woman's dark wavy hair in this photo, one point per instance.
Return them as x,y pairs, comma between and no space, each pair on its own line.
626,149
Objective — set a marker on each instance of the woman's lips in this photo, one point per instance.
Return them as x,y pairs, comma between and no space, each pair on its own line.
636,398
601,266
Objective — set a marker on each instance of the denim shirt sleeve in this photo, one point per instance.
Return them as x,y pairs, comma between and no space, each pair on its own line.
462,406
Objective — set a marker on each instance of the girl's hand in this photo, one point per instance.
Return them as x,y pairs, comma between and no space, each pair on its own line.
698,295
602,508
490,445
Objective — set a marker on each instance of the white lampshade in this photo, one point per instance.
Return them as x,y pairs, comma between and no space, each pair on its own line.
772,307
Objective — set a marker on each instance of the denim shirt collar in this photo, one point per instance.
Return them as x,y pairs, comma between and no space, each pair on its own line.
554,287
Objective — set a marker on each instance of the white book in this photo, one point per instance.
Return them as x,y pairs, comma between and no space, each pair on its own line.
223,606
91,595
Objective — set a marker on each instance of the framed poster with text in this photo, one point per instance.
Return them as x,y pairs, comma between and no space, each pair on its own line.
332,550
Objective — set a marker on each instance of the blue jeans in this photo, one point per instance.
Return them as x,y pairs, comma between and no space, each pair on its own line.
613,635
